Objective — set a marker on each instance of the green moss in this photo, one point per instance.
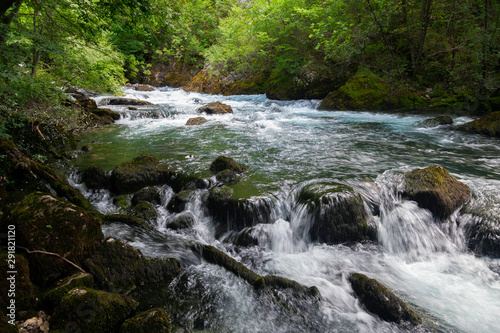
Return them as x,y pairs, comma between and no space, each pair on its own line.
52,298
122,201
92,311
487,125
152,321
222,163
130,220
145,210
25,290
282,86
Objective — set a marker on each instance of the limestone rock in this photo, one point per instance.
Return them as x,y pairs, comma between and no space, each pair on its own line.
215,108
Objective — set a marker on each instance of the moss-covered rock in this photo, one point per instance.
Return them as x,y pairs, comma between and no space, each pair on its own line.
487,125
284,86
143,87
122,201
215,108
155,320
232,213
184,220
196,121
44,222
337,213
435,189
144,170
92,311
437,121
19,284
150,194
52,298
123,101
222,163
95,177
119,267
179,201
381,301
145,210
130,220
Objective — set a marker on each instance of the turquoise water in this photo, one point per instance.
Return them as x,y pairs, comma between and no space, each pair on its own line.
288,144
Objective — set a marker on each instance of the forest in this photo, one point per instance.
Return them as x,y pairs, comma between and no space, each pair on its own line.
442,54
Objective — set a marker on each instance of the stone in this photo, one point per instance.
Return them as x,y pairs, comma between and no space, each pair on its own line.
52,298
124,101
184,220
154,320
129,220
215,108
179,201
95,177
196,121
487,125
437,121
222,163
150,194
143,87
145,210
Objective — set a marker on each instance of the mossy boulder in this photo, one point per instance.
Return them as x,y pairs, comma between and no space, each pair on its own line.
130,220
145,210
155,320
437,121
52,298
196,121
234,214
482,230
124,101
95,177
92,311
21,285
143,87
46,223
150,194
337,213
179,201
227,176
487,125
119,267
215,108
381,301
222,163
144,170
363,91
435,189
284,86
122,201
181,221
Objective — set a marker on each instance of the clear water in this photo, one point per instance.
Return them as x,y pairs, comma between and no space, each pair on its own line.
288,145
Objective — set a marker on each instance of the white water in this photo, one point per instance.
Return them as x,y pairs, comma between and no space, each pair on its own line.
288,144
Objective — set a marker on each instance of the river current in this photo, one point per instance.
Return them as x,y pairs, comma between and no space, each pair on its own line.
289,144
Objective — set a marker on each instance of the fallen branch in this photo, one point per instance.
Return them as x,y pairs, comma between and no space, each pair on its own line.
52,254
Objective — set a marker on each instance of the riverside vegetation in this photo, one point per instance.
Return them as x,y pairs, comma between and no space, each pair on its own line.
443,59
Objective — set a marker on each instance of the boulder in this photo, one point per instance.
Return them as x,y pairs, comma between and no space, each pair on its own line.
124,101
144,170
437,121
150,194
179,201
482,230
487,125
435,189
95,177
145,210
222,163
119,267
196,121
184,220
52,298
152,321
215,108
92,311
381,301
46,223
337,213
143,87
130,220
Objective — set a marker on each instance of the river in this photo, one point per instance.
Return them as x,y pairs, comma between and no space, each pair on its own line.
289,144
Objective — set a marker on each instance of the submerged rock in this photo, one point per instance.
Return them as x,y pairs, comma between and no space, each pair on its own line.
152,321
437,121
337,213
196,121
184,220
487,125
92,311
179,201
381,301
482,231
215,108
435,189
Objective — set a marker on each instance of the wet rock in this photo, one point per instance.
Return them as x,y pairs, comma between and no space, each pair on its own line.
152,321
92,311
122,201
381,301
52,298
437,121
104,113
482,231
145,210
143,87
487,125
95,177
39,324
337,213
184,220
215,108
119,267
144,170
196,121
179,201
435,189
25,291
227,177
44,222
150,194
124,101
234,214
130,220
222,163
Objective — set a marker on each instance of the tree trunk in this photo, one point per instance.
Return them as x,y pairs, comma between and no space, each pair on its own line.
6,17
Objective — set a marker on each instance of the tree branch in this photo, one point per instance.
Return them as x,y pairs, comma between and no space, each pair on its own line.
52,254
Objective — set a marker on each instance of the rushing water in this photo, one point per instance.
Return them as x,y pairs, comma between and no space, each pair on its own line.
287,145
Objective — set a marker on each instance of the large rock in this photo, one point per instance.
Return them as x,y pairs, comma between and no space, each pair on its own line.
92,311
150,194
381,301
435,189
119,267
337,213
143,87
124,101
52,298
154,320
179,201
437,121
144,170
222,163
130,220
196,121
95,177
46,223
215,108
482,230
487,125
